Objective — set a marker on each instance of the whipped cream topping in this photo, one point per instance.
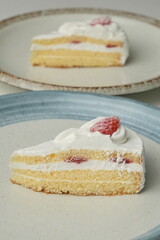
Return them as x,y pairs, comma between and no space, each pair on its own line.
111,31
106,32
123,140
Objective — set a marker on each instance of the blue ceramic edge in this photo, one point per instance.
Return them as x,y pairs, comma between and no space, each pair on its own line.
153,234
81,93
43,105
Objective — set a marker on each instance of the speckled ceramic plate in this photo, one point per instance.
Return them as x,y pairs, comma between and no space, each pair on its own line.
31,118
141,72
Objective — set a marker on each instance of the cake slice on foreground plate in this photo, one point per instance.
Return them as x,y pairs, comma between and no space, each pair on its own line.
100,158
96,43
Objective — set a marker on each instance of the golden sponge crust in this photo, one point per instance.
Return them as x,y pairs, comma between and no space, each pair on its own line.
81,175
79,182
81,188
74,58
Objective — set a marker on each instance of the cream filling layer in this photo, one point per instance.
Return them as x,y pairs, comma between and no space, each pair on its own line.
77,46
85,47
93,165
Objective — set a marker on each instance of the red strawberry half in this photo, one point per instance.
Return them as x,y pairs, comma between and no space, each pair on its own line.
102,21
124,160
76,159
110,45
106,126
76,41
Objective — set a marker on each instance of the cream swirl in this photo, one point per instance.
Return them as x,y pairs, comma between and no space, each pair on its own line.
120,135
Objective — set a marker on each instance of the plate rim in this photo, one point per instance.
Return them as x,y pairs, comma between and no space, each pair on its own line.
25,83
22,100
7,100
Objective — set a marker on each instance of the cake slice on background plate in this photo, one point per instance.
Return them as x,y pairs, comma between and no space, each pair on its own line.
102,157
96,43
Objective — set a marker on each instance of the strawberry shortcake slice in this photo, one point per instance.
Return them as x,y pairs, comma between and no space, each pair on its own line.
99,42
102,157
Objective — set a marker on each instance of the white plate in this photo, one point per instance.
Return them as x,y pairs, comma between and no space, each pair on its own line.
141,73
26,214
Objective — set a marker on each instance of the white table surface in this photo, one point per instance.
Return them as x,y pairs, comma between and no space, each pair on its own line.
10,8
